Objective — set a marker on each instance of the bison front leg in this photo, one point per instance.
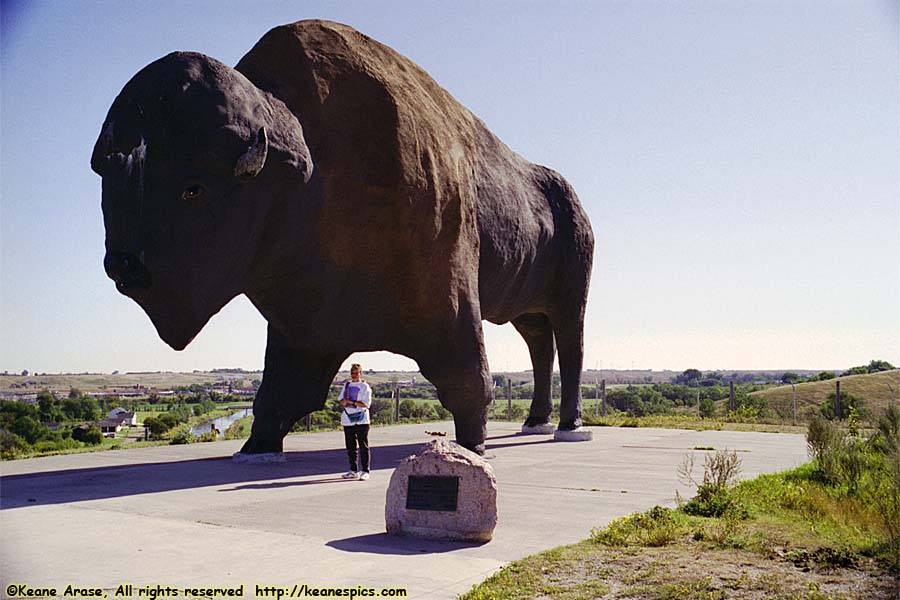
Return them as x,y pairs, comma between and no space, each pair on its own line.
295,383
457,365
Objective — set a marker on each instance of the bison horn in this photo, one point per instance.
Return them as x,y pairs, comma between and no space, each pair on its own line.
251,162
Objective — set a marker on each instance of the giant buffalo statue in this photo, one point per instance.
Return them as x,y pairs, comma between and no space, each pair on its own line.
358,205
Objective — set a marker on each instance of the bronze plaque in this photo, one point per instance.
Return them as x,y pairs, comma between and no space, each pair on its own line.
432,492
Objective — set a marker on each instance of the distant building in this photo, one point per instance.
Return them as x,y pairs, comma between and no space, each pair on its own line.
117,419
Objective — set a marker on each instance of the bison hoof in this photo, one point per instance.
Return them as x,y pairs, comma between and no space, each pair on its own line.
262,457
573,435
538,429
476,448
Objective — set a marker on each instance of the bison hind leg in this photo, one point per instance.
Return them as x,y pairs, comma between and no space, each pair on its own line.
537,332
570,340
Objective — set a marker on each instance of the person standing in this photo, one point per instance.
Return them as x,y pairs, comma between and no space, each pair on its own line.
355,398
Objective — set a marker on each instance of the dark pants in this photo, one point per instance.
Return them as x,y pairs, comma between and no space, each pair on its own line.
354,434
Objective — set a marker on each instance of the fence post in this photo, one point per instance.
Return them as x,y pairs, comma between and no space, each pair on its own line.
308,422
509,399
397,404
731,396
794,396
837,399
603,397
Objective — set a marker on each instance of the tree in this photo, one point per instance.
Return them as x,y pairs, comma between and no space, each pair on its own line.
848,401
407,408
156,427
689,377
823,376
93,436
855,371
28,429
789,377
707,408
876,366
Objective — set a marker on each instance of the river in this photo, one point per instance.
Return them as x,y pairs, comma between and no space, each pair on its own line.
222,423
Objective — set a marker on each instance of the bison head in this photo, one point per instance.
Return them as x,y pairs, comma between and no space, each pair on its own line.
193,158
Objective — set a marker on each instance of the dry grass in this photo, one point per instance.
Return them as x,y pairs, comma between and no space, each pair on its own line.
874,389
681,571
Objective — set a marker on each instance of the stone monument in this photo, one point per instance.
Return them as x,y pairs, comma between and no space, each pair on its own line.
445,492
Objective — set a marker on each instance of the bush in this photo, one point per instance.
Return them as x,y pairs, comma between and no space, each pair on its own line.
236,431
182,435
443,413
713,501
849,403
714,497
56,445
93,436
12,446
840,460
381,410
656,527
707,408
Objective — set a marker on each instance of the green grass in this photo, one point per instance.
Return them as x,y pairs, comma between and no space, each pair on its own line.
686,421
793,538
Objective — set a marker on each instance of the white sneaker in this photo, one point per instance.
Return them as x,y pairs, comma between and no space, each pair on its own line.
364,475
350,475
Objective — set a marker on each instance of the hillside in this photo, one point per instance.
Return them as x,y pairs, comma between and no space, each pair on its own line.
874,389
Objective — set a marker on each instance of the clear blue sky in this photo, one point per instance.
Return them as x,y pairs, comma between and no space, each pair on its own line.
738,160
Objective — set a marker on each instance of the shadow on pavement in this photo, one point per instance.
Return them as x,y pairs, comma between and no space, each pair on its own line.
96,483
385,543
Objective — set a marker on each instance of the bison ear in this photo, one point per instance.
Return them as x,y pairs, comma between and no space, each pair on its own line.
252,161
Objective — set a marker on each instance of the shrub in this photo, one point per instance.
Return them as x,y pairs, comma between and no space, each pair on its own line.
707,408
714,501
849,403
182,435
12,446
714,497
93,436
236,431
56,445
656,527
886,484
840,460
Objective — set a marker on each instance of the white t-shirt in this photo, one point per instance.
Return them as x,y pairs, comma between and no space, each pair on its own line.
360,392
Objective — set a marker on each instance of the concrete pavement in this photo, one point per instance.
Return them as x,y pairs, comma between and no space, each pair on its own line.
188,516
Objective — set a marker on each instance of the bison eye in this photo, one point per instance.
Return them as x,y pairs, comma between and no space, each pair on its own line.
193,192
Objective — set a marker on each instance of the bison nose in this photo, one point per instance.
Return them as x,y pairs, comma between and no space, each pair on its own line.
127,271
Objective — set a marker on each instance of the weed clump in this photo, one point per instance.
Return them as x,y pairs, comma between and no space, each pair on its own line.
714,497
658,526
182,435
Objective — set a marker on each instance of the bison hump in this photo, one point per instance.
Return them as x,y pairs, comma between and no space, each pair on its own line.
368,113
